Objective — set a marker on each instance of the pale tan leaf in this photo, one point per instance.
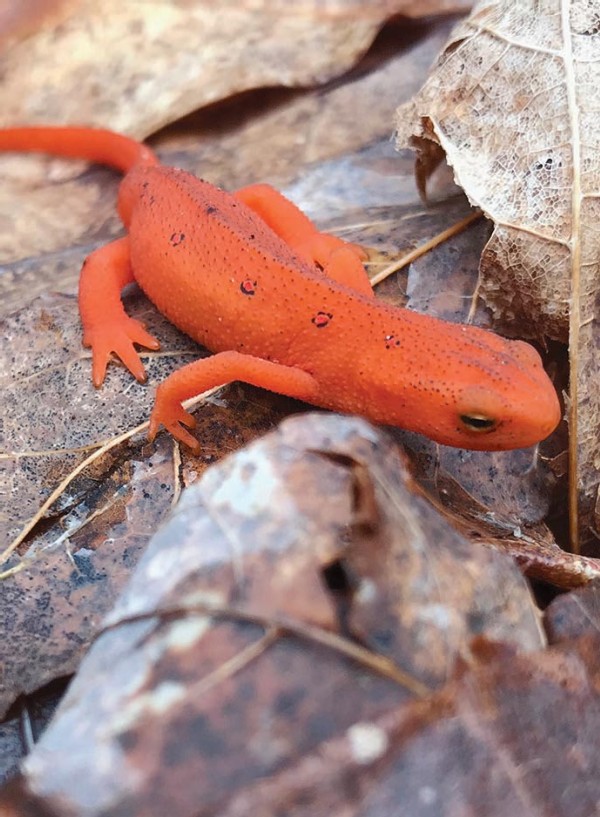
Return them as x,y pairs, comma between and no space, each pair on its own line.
48,205
342,8
514,104
167,59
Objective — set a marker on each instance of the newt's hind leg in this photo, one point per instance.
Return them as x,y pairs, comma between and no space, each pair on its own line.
201,375
337,258
106,326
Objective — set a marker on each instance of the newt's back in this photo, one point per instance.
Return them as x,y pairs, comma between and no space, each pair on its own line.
217,271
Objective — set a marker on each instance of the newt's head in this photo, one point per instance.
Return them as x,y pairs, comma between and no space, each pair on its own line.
512,406
469,388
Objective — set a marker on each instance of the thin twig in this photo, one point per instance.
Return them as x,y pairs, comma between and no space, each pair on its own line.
411,256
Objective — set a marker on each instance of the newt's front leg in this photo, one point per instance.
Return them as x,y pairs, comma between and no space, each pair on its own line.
106,326
202,375
340,260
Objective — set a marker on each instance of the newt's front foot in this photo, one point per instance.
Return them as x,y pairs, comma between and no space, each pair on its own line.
320,248
171,414
118,337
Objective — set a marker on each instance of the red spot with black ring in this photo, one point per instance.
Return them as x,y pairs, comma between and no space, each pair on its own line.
248,287
322,319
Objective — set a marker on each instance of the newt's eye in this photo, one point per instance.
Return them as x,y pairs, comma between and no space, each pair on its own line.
478,423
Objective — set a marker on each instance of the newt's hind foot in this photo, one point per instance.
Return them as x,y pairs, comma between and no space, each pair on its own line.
171,414
118,337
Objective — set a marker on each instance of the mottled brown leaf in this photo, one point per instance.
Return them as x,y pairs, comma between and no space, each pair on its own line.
533,546
574,614
517,736
85,545
44,436
513,103
11,748
23,725
345,8
300,591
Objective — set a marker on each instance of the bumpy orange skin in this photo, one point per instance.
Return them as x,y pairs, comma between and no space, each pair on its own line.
287,308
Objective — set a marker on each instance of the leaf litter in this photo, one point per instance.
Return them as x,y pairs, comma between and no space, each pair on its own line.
262,645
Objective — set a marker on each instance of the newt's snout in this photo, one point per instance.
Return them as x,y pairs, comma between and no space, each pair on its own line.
517,406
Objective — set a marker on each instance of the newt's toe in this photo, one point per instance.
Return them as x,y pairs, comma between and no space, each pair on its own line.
118,338
173,417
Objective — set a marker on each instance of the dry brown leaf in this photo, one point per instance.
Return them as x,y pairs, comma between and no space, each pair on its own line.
18,20
300,589
532,546
86,544
572,615
513,103
517,735
345,8
167,59
45,436
23,725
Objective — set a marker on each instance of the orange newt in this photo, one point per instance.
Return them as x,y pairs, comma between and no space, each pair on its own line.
284,307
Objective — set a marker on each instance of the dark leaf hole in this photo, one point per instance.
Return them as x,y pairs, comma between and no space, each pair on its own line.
339,579
341,582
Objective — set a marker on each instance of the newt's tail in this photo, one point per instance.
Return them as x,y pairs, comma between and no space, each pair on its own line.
101,146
